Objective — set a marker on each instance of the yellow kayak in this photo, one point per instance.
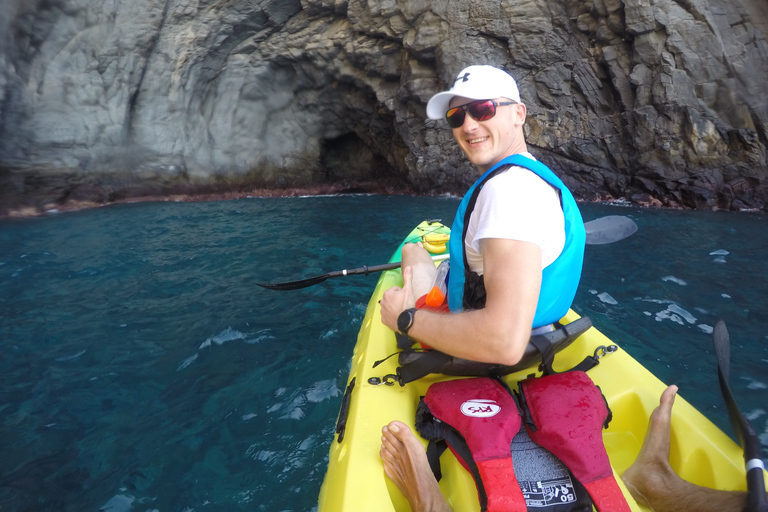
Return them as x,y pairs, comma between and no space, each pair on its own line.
355,481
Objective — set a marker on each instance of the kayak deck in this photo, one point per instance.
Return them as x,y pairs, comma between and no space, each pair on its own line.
699,451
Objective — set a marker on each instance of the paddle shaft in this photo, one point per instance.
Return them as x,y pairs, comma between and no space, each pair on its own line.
604,230
377,268
304,283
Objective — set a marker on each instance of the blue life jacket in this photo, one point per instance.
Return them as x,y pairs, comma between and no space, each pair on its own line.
559,280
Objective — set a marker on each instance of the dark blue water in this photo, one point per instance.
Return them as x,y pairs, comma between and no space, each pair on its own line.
141,368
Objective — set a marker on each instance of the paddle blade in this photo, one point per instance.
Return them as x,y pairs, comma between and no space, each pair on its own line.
722,342
609,229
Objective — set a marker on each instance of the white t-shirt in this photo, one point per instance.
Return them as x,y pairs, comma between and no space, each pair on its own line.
517,205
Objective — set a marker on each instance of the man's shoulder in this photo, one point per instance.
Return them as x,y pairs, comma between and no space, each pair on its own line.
517,176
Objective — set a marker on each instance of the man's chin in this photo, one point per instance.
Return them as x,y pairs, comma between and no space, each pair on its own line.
480,162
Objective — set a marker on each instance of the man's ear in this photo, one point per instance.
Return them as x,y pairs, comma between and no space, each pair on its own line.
520,113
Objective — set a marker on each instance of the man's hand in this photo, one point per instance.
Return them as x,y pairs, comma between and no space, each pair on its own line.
396,300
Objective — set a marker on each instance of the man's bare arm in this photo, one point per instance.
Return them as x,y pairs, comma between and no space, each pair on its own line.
497,333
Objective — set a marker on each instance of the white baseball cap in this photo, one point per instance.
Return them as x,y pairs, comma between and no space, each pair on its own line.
475,83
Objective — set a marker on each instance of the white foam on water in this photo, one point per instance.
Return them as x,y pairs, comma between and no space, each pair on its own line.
707,329
225,336
755,384
250,416
673,279
607,299
292,410
725,296
230,334
262,455
753,415
654,301
188,361
70,358
323,390
296,414
666,315
593,292
683,313
246,496
329,334
719,252
264,334
118,503
673,312
719,260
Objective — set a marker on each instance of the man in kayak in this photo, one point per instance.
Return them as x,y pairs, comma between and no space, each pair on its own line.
517,242
517,247
511,231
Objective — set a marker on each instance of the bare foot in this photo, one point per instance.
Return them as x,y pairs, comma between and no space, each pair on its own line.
405,462
653,482
651,472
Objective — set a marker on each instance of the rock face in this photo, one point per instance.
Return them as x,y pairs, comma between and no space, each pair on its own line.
656,101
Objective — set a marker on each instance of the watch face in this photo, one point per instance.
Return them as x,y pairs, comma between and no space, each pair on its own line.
404,321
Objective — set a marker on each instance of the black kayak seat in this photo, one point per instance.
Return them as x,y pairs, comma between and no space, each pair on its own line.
415,364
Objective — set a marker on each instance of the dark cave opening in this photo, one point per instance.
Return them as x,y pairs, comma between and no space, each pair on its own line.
348,157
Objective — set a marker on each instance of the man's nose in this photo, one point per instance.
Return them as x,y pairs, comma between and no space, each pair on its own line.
470,124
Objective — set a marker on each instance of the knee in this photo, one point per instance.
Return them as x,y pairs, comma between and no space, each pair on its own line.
415,254
413,251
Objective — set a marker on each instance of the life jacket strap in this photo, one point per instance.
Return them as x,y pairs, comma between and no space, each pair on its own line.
506,495
610,496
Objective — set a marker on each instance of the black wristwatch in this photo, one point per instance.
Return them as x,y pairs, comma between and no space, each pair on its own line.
405,320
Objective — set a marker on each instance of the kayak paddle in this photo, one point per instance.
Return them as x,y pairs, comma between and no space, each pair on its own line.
604,230
756,499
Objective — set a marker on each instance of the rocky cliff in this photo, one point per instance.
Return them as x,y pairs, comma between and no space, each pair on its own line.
656,101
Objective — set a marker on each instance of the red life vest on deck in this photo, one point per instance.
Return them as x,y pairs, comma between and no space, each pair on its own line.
564,413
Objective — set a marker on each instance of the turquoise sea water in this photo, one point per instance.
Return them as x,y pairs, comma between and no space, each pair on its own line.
143,370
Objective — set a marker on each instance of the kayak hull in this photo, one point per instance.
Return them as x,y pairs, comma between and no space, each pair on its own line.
355,481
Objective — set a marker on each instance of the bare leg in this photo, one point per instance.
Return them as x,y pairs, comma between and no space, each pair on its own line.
424,271
653,482
405,463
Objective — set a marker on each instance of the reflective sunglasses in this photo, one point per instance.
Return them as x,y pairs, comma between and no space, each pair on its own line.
480,110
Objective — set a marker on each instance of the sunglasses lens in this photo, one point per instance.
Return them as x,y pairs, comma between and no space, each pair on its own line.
481,110
455,117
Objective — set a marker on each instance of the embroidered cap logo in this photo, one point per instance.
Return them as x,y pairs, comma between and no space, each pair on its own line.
463,78
480,408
